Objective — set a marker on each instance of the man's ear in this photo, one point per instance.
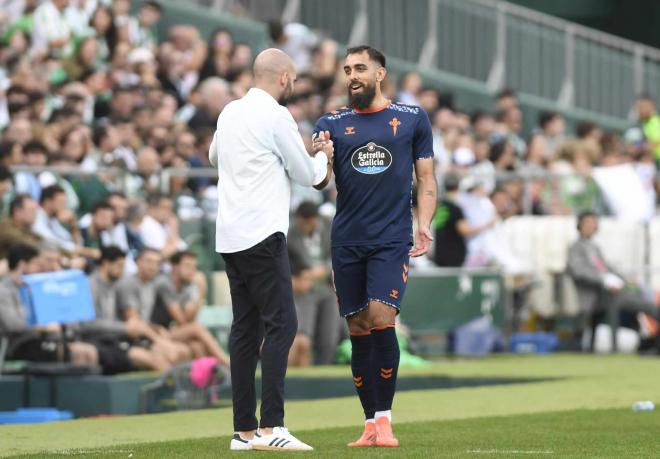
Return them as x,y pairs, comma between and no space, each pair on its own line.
284,78
381,73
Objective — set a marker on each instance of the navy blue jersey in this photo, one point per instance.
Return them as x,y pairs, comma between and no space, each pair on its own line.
374,156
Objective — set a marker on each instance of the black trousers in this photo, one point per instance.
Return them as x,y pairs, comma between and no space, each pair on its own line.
263,307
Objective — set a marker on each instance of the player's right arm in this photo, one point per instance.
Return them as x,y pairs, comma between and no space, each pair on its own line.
321,141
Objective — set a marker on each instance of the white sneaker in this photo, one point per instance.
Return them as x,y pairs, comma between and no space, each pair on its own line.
238,444
279,440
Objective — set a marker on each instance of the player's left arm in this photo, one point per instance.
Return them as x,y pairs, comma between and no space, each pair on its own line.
427,188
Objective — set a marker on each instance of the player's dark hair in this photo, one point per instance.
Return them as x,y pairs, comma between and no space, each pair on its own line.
20,252
373,53
111,253
307,209
180,255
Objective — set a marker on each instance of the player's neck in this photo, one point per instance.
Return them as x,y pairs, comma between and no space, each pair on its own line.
378,103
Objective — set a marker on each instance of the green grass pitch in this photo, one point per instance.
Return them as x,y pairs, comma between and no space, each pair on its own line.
576,406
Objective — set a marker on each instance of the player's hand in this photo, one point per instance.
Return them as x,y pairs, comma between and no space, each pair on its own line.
329,150
320,140
423,240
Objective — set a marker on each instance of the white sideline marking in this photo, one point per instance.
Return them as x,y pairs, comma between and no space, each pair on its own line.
509,451
85,452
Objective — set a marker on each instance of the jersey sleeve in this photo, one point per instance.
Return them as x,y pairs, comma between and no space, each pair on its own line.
423,138
322,124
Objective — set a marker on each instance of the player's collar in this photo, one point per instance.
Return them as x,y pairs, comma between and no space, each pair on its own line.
387,104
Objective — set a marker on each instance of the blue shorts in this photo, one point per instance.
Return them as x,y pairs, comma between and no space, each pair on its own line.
365,273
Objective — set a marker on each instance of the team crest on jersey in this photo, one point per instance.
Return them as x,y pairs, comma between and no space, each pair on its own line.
371,159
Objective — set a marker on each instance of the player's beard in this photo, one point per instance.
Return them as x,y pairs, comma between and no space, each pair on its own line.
363,100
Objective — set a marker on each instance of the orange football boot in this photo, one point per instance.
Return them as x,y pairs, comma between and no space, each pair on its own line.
384,435
368,437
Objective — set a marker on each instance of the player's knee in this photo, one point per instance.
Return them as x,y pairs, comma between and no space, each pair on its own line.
358,326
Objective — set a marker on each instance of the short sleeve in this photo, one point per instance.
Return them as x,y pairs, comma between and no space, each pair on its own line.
165,291
423,138
322,124
128,296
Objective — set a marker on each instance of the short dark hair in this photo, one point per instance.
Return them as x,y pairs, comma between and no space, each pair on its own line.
645,96
152,4
103,204
153,199
111,253
584,128
50,192
506,92
5,173
180,255
307,209
275,30
34,146
21,252
373,53
146,250
546,117
18,202
583,216
6,146
479,115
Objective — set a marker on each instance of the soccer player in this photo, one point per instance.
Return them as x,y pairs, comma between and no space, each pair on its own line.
377,145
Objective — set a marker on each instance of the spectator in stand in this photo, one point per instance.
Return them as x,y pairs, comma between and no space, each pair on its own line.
16,228
6,179
215,95
649,121
452,228
136,302
410,87
160,228
318,323
57,224
510,126
101,221
179,297
104,283
552,129
505,99
34,343
296,40
34,154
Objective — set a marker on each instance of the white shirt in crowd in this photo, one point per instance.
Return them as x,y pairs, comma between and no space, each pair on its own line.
49,24
257,148
52,230
155,235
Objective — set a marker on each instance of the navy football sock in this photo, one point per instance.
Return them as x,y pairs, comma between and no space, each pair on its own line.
363,380
386,365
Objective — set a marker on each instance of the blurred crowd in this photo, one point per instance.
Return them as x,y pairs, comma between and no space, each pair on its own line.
99,107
